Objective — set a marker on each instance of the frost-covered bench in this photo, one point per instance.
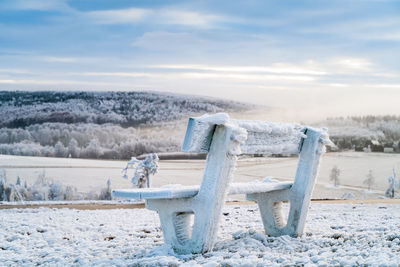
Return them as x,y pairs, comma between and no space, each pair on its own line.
224,139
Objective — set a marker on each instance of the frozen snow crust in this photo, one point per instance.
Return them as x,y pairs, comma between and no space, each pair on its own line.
335,234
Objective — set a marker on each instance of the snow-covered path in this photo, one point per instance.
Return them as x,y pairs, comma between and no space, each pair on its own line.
335,234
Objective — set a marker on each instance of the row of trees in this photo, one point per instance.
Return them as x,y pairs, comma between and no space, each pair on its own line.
89,140
44,189
353,132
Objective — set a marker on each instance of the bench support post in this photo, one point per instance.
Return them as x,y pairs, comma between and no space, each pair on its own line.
206,205
298,196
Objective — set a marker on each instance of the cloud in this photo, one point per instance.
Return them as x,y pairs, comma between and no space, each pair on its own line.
39,5
165,16
359,64
189,18
119,16
60,59
277,68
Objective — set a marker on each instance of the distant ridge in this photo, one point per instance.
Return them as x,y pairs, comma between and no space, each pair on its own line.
23,108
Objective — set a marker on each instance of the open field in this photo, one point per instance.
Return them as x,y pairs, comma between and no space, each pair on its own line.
89,175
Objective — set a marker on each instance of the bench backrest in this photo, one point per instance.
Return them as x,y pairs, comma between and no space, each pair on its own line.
262,137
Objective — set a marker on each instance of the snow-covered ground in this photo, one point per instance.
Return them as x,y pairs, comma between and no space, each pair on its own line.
335,234
88,175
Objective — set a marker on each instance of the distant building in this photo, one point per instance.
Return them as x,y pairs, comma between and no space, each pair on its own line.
388,149
376,146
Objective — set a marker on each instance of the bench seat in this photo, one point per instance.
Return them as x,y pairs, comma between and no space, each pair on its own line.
190,191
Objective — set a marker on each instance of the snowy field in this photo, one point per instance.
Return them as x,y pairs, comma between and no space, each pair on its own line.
88,175
335,234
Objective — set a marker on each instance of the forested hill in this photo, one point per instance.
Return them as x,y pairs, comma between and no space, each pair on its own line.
21,108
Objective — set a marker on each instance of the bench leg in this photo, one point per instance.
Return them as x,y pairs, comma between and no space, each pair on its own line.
270,206
176,225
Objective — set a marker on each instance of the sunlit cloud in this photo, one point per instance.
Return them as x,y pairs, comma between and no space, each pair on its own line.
7,81
60,59
118,74
279,68
157,16
41,5
119,16
360,64
204,75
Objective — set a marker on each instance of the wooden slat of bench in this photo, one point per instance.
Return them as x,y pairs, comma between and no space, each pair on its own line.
262,137
157,193
248,188
191,191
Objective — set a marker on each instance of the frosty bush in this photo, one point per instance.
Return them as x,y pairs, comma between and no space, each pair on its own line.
143,169
393,184
334,176
370,180
105,193
44,189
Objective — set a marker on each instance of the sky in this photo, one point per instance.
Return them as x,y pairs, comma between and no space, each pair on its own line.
319,58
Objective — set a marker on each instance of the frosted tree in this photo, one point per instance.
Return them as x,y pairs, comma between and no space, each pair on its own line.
143,169
18,181
370,180
334,176
73,148
393,184
59,150
105,193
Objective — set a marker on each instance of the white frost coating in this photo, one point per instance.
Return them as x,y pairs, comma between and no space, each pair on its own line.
179,191
269,179
271,138
257,187
223,139
143,169
274,128
214,119
200,130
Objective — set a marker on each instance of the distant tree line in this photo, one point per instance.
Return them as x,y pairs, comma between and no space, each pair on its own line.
376,132
107,125
89,140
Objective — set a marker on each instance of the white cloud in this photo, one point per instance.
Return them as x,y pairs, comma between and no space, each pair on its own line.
277,68
7,81
118,74
188,18
156,16
202,75
359,64
14,71
119,16
59,59
41,5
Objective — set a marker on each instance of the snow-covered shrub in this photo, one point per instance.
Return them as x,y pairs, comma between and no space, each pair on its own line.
334,176
393,185
105,193
9,192
370,180
143,169
44,189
